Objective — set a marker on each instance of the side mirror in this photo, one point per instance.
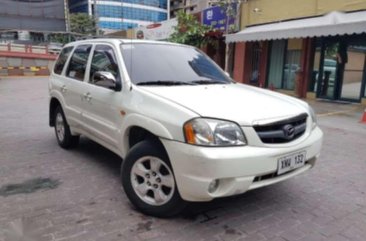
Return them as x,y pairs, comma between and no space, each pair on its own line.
104,79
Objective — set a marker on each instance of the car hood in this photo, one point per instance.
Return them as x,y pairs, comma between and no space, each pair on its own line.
243,104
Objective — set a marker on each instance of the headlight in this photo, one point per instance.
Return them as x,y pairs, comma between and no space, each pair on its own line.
211,132
313,117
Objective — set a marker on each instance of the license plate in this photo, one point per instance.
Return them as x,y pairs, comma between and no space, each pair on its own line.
290,162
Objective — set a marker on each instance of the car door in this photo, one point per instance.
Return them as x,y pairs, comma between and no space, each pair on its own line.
74,86
102,110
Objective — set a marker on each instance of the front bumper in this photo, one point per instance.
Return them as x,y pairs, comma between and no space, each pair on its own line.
239,169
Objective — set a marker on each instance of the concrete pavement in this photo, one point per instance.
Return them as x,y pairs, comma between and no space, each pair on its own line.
76,195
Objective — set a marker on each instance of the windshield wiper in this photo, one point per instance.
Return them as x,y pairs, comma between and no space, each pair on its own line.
209,82
165,82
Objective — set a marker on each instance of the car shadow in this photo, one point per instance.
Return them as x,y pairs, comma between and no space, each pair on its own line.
251,201
99,155
202,212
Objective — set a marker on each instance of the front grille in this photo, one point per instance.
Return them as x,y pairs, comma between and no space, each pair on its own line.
283,131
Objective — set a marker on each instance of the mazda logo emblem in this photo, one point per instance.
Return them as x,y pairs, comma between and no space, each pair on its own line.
288,131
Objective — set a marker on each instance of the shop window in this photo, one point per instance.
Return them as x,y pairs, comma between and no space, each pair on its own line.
291,68
256,54
285,57
292,64
315,72
276,64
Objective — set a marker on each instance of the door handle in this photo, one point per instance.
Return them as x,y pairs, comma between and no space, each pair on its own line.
87,96
63,89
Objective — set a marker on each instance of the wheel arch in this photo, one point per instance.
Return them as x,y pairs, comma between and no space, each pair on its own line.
138,128
54,103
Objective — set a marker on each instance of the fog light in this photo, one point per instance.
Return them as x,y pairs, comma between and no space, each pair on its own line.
213,186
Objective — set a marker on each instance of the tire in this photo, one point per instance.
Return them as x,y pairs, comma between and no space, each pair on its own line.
62,131
148,180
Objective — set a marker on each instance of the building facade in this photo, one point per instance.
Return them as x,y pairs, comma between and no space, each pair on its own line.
47,15
314,48
189,6
114,15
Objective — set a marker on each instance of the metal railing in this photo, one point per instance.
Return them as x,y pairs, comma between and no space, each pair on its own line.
32,49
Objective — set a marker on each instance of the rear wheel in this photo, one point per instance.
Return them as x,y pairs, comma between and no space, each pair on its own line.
148,180
62,131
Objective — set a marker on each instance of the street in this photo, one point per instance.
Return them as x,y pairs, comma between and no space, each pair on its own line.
55,194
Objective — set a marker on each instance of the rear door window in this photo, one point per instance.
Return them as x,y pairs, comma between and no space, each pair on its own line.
78,62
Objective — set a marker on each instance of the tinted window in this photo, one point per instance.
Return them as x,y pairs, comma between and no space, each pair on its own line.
59,66
170,64
78,62
104,59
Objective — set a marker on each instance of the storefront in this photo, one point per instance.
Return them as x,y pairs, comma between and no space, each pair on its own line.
318,57
339,68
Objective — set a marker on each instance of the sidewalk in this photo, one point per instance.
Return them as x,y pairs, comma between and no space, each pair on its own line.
329,108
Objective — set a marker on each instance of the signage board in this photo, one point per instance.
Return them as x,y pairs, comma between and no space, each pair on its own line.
156,31
216,18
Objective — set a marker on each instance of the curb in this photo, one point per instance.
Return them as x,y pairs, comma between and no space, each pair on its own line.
24,70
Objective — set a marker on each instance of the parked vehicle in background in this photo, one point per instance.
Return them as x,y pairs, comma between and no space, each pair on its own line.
54,48
185,130
330,65
328,78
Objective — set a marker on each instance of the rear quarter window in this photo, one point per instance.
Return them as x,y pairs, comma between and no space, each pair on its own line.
64,55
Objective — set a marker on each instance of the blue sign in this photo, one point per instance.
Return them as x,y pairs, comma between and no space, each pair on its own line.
216,18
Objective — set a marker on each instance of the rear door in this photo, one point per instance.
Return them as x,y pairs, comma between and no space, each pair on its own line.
74,86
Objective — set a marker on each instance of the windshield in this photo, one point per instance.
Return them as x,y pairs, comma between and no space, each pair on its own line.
162,64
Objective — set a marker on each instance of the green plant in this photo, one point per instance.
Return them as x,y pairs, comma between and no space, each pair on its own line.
232,9
62,38
189,31
82,23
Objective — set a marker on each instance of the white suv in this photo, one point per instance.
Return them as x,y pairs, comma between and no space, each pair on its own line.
184,129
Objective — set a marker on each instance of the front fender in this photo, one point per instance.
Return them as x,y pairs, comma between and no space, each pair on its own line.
137,120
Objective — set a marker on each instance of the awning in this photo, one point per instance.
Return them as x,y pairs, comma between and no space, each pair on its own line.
334,23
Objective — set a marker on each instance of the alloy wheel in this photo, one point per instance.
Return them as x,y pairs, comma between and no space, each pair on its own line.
60,127
152,180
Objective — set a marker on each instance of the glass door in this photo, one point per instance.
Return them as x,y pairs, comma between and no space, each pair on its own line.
341,74
328,70
353,74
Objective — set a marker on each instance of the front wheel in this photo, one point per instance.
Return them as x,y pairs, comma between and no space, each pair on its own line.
148,180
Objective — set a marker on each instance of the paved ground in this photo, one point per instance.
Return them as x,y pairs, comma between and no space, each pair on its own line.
77,195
